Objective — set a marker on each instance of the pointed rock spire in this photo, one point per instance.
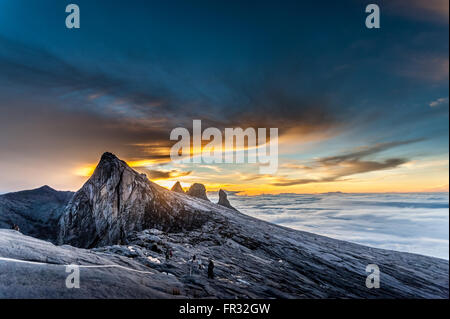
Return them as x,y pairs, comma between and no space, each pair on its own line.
177,188
223,200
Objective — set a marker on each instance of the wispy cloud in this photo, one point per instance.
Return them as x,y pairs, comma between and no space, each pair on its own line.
440,101
336,168
365,151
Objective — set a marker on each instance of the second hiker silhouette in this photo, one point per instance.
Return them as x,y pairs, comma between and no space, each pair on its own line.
211,269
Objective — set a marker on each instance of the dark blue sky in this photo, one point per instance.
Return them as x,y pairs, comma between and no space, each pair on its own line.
137,69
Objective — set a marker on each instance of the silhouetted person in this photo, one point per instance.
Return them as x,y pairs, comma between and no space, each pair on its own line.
211,269
191,264
167,254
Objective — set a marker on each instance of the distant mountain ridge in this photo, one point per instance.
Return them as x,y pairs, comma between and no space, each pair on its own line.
35,211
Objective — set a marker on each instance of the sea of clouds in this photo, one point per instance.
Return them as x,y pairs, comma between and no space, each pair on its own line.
413,222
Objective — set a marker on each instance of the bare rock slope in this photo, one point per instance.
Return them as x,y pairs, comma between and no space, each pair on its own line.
34,268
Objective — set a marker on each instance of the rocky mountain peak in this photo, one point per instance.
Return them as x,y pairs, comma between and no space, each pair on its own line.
107,156
177,188
117,200
198,190
108,165
107,159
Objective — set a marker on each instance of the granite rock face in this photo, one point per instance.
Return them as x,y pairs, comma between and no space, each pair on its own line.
177,188
223,199
117,200
198,190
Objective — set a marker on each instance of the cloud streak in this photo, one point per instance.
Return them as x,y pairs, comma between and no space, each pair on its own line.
440,101
338,167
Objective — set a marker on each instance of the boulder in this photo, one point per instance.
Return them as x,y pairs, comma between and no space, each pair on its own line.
198,190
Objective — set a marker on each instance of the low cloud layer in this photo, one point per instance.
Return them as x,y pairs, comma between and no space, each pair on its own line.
416,223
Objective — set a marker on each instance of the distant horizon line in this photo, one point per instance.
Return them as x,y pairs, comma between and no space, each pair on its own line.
232,192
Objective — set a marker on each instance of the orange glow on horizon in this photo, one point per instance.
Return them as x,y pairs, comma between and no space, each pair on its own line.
427,176
85,171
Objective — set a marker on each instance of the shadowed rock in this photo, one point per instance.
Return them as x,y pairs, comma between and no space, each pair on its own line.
177,188
223,200
198,190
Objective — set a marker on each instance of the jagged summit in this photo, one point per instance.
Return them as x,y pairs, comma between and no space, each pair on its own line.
108,156
177,188
109,162
198,190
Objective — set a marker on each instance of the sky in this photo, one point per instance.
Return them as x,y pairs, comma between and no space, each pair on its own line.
358,110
